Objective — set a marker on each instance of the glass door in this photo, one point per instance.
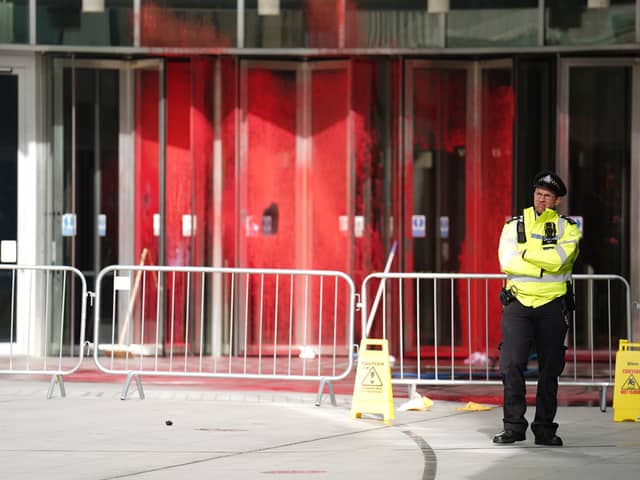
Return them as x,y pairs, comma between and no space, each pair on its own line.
8,197
595,155
458,160
436,157
295,183
94,165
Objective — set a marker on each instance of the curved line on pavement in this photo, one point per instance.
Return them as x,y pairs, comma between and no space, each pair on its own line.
430,461
429,456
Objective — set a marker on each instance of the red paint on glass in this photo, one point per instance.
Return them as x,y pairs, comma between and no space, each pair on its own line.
146,203
187,189
323,22
270,176
477,211
329,200
228,134
369,254
497,152
310,189
160,27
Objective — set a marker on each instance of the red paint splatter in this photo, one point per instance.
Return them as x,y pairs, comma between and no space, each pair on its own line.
160,27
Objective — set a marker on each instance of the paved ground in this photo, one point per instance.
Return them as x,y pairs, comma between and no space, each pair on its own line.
92,434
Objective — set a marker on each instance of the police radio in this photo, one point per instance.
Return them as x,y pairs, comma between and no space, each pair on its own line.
522,238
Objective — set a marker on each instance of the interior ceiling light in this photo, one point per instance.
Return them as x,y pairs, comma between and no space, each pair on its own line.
268,7
437,6
93,6
597,3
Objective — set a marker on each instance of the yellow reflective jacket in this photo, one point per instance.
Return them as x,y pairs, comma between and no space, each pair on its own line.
540,266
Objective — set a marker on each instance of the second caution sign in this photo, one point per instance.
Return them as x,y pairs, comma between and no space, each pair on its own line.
626,396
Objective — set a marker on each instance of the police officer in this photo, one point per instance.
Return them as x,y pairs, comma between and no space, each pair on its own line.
537,252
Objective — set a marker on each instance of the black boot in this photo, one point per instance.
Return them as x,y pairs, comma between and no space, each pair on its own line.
549,440
509,436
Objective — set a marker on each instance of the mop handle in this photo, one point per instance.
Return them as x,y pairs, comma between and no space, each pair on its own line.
376,301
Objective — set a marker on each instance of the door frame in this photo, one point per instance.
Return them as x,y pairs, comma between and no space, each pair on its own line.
126,140
562,158
473,151
30,232
126,154
408,134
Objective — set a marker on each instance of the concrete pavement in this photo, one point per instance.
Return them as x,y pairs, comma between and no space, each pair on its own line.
92,434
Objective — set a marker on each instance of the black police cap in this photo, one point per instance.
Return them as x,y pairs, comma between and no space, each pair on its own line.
550,181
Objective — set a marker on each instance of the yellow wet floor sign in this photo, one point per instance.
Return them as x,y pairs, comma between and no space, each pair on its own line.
626,393
372,389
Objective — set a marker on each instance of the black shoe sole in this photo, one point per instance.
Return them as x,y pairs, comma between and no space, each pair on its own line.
549,443
513,439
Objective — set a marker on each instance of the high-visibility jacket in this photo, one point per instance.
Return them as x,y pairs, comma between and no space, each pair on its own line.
538,268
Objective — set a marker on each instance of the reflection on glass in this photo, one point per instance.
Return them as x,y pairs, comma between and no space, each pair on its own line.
570,22
92,96
392,24
375,152
62,22
438,171
14,21
176,23
536,109
300,24
492,23
8,193
495,177
599,172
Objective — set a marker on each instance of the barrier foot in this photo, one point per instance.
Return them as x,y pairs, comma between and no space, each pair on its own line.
321,391
127,384
603,398
412,390
56,378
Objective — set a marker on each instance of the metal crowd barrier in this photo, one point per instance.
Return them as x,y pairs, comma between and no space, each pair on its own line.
39,309
444,328
231,323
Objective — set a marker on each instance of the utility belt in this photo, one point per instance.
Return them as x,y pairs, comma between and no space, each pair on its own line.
508,295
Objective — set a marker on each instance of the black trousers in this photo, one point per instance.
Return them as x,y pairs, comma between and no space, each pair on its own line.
526,329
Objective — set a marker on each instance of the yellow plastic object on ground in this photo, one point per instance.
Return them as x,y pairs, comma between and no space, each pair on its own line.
417,403
372,390
626,393
474,407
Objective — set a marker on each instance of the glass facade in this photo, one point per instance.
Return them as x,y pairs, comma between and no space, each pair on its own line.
392,24
177,23
321,24
298,24
64,22
477,23
571,22
14,21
